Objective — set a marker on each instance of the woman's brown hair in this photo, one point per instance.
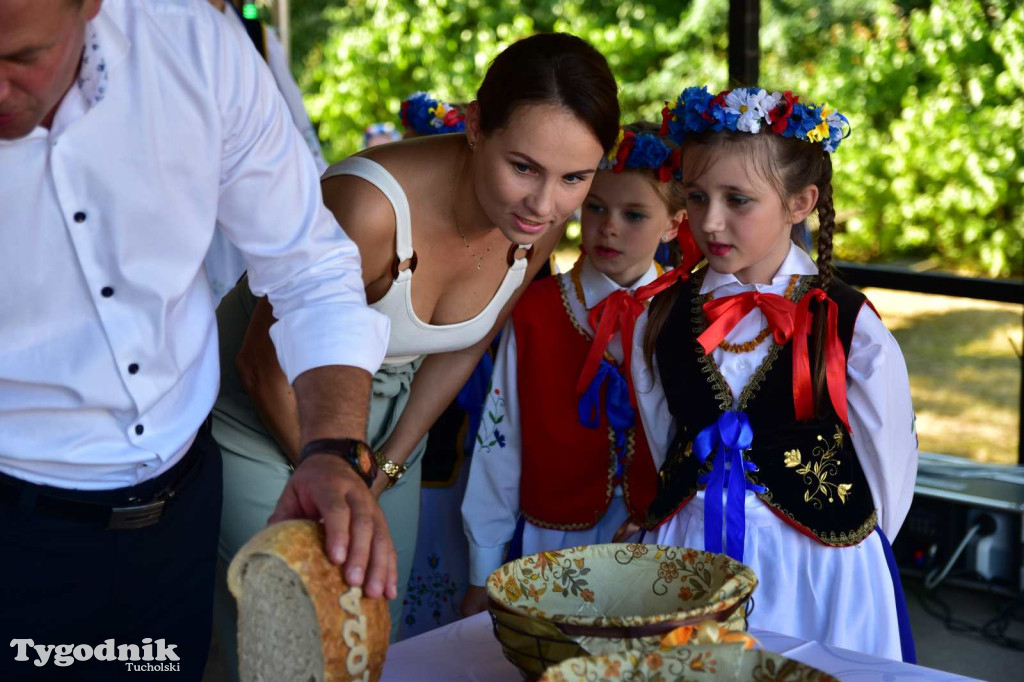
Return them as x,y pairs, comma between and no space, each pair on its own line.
555,68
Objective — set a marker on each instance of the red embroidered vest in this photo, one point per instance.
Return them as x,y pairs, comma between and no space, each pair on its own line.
568,470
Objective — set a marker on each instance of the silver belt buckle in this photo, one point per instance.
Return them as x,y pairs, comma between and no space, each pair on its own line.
140,516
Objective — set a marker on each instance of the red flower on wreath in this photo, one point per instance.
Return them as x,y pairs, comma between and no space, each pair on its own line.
625,147
666,116
673,162
452,117
780,115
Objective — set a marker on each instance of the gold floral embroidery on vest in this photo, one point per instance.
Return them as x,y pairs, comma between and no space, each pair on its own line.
821,466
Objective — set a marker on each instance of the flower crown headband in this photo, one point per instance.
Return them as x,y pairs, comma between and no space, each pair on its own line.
643,151
428,116
747,109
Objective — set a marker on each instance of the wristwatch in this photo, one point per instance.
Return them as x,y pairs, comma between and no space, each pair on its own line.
391,469
355,452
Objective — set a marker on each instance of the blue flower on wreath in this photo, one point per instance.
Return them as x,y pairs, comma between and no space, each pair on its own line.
695,105
498,436
723,119
688,114
803,120
838,129
428,116
649,151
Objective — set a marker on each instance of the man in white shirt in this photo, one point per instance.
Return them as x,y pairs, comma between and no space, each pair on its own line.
128,131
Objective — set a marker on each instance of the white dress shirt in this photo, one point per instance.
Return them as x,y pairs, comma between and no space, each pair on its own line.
224,262
490,508
108,349
877,390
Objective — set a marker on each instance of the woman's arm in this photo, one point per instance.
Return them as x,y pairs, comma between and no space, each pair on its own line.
262,378
442,375
372,229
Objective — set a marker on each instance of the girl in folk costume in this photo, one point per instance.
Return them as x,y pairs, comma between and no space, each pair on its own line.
557,450
793,445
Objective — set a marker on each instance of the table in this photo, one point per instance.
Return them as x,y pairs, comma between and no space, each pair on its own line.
466,651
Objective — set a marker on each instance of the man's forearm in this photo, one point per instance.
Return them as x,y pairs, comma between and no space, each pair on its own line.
333,402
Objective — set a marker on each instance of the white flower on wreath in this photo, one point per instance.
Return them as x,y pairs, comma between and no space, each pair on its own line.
752,106
835,122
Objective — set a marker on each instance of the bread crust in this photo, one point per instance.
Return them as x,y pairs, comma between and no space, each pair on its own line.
300,545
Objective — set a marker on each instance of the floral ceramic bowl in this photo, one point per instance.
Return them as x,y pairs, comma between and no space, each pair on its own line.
709,663
603,599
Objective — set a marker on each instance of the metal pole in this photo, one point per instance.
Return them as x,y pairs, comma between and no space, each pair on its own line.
744,48
279,11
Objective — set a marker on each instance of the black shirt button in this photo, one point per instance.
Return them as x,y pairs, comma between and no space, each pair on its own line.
133,368
79,217
107,292
139,429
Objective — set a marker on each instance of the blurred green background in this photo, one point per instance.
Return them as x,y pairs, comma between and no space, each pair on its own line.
934,92
932,175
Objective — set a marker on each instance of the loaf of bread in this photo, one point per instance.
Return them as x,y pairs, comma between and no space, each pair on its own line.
297,618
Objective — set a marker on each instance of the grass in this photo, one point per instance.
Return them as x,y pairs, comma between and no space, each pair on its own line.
965,370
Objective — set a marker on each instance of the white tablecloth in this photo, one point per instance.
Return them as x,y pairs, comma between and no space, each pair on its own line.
467,651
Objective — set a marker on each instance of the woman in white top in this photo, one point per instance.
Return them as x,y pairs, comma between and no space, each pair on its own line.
468,217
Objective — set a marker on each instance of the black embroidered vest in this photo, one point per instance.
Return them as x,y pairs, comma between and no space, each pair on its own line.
814,479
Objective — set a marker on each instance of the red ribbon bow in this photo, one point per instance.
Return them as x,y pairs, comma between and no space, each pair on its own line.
725,313
835,359
788,320
619,311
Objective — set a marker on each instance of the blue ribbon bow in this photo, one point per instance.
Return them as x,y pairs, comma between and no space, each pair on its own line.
730,435
621,415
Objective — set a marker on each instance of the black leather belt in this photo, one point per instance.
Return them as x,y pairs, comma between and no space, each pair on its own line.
139,506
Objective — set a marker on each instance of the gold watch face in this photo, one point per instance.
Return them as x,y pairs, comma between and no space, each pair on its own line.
365,458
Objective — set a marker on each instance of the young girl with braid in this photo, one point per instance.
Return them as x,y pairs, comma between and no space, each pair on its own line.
792,445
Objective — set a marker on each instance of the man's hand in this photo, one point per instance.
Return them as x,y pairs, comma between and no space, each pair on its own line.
326,487
475,601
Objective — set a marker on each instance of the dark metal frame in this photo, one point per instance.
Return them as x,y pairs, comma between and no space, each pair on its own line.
980,288
744,47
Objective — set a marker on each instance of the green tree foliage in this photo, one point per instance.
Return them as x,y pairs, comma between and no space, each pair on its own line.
934,91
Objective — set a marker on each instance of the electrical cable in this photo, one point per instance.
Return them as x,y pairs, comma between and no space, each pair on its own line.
994,630
930,579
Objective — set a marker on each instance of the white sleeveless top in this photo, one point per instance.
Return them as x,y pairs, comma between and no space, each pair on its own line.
410,336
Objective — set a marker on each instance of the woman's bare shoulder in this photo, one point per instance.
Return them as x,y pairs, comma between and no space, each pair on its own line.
368,219
416,163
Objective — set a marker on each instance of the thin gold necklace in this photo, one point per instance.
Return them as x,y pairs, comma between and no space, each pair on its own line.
455,218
